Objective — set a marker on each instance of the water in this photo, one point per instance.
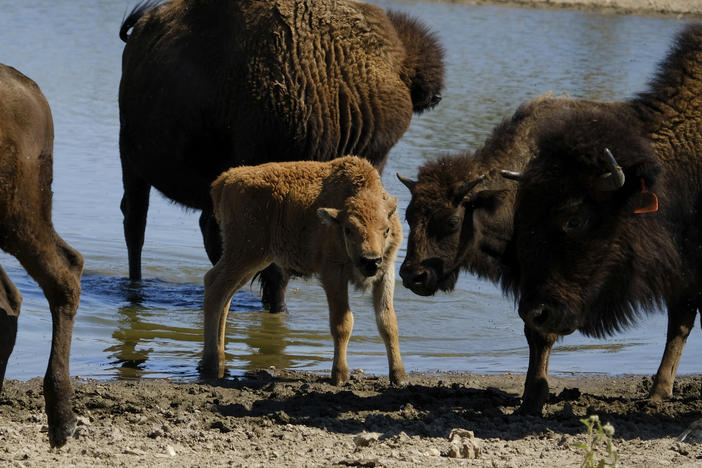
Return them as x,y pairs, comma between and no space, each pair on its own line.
497,57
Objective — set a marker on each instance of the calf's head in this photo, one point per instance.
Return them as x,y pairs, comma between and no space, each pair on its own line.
458,218
369,227
590,245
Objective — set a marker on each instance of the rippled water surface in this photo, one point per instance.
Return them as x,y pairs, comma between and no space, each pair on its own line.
497,57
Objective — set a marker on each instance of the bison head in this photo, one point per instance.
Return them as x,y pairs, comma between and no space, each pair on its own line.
591,248
458,219
369,227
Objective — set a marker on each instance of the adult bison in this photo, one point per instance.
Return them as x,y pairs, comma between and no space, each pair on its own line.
460,218
595,246
332,219
211,84
461,212
26,231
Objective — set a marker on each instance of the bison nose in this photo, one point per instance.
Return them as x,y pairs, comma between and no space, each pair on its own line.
369,266
418,281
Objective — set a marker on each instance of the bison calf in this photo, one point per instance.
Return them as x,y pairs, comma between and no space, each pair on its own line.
332,219
26,231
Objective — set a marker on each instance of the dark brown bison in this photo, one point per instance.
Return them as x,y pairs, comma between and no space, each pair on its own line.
26,231
606,222
208,85
460,218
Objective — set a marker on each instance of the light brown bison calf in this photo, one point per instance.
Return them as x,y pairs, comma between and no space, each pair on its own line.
331,219
26,231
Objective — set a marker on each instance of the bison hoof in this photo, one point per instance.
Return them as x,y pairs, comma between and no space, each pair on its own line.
339,378
59,434
530,409
399,379
276,308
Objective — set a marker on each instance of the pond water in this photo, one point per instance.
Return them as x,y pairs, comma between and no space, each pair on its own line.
497,57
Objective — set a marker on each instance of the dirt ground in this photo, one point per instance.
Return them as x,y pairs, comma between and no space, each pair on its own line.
293,419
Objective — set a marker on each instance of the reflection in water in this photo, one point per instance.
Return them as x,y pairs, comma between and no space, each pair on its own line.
266,337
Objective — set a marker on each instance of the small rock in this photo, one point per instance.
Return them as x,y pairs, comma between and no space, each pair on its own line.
83,421
364,439
170,451
130,451
463,444
434,452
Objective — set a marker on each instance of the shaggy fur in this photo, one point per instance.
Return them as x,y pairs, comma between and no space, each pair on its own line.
27,232
330,219
587,261
212,84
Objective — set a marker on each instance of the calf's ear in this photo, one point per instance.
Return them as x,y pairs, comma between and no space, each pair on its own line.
328,215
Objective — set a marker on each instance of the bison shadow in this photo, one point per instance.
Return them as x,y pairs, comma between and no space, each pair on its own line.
434,410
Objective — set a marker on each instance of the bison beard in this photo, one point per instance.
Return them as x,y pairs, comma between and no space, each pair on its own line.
209,85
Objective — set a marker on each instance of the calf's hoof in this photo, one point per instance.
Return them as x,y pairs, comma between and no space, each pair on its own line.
211,369
661,393
399,378
61,431
339,377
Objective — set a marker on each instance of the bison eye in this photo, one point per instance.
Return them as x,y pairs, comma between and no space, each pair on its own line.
576,224
387,231
453,223
347,231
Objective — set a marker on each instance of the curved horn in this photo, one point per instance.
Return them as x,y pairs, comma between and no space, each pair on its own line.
512,175
613,179
468,186
409,183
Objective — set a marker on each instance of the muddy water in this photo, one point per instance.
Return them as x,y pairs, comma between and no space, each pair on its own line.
497,57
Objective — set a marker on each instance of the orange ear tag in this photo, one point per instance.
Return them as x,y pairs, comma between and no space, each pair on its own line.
645,201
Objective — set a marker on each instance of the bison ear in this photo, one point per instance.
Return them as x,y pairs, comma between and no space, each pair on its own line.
328,216
392,205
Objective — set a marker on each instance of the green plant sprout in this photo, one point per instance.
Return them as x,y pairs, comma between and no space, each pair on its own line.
597,435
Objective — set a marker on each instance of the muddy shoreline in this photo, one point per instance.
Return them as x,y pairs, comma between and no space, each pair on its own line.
282,418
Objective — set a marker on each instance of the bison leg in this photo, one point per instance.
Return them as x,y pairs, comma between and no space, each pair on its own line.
10,301
210,235
681,320
340,323
274,282
134,206
386,320
222,281
56,267
536,383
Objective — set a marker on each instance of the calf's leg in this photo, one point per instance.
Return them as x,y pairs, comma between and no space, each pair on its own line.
56,267
681,320
536,383
134,206
385,318
10,301
222,281
340,323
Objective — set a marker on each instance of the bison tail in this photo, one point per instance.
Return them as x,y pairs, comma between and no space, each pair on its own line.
136,13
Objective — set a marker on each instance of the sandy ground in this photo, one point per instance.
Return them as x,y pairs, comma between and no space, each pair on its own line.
286,419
